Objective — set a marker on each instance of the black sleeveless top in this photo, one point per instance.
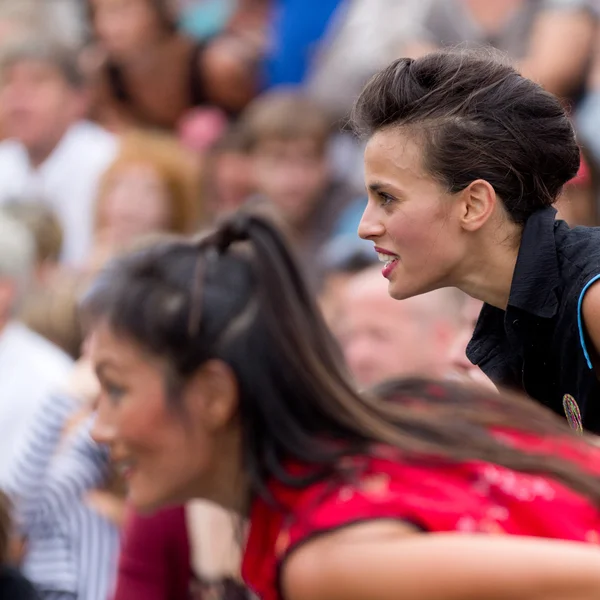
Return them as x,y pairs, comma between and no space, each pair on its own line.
539,344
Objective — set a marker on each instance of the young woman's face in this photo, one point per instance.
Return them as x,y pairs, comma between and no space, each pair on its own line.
412,220
167,452
124,27
137,203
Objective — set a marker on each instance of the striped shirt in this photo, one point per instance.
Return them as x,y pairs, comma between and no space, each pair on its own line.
71,548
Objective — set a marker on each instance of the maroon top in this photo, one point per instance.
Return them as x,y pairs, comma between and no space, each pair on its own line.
155,557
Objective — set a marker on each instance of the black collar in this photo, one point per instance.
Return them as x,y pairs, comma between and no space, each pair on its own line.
537,275
532,291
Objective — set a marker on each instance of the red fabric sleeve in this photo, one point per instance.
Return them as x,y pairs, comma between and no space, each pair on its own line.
155,557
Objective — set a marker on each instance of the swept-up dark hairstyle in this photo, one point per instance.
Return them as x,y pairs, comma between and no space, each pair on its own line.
237,295
477,118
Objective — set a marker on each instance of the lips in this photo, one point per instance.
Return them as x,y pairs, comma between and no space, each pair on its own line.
389,259
124,467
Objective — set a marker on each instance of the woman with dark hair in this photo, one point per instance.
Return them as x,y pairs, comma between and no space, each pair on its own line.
152,75
220,381
464,160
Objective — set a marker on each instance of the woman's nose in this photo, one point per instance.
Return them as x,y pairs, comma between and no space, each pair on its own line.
370,226
103,430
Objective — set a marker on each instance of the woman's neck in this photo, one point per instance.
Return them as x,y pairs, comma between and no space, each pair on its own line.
488,275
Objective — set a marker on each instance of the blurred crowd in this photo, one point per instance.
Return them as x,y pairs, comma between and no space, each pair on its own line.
124,120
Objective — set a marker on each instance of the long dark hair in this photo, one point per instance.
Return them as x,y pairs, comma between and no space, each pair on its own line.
477,118
237,295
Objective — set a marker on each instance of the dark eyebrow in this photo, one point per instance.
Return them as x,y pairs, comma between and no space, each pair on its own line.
376,186
102,367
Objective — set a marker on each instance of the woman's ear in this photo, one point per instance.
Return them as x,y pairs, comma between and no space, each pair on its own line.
212,394
479,202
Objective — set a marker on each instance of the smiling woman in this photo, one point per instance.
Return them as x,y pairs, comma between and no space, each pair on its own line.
220,381
464,160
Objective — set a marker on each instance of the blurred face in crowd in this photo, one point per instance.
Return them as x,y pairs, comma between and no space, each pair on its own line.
125,27
413,222
38,105
170,448
136,203
232,180
384,338
461,367
292,174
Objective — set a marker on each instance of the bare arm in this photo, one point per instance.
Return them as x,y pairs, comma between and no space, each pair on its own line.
388,561
590,309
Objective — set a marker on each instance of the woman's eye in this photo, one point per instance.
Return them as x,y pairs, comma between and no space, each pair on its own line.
385,198
114,392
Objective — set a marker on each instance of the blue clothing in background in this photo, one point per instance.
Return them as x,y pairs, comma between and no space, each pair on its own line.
296,28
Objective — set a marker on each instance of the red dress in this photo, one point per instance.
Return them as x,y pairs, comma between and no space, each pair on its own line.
466,497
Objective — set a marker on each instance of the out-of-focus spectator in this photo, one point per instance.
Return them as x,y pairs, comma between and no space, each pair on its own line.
151,74
296,28
52,313
154,563
288,138
587,116
152,187
13,586
195,548
362,38
228,175
30,366
461,367
384,338
551,40
71,549
49,305
201,128
47,233
578,203
342,258
52,153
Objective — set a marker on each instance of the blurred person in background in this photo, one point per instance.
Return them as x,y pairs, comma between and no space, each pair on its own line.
13,586
151,187
49,304
295,29
190,551
71,548
52,313
384,338
30,366
228,178
150,74
52,152
461,368
551,41
47,233
288,137
342,258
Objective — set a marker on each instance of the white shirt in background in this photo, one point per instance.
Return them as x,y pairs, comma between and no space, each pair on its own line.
67,180
31,368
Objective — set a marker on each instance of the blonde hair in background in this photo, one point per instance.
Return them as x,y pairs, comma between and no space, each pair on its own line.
43,224
52,313
175,165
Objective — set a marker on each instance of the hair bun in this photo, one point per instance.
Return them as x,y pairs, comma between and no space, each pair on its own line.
234,229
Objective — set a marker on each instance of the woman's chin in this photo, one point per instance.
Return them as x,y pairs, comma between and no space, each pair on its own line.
147,502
